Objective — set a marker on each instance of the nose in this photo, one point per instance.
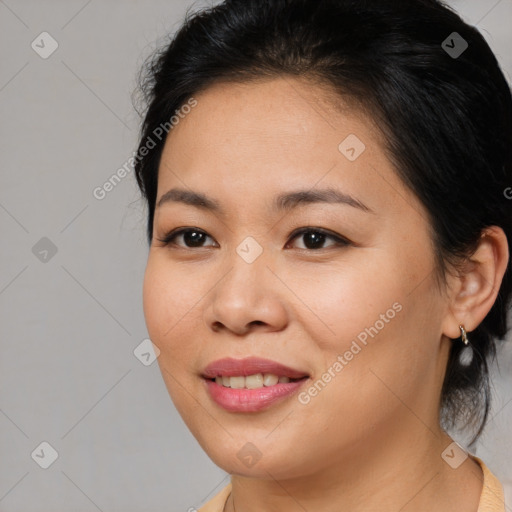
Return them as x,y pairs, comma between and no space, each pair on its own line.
248,297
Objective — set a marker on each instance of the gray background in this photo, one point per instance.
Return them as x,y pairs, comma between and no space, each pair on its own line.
69,324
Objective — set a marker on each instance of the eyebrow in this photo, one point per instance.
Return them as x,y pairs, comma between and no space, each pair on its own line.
283,202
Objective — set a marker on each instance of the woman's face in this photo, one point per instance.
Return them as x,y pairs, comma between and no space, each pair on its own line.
359,315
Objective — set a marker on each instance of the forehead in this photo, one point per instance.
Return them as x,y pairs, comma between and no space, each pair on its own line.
269,136
277,108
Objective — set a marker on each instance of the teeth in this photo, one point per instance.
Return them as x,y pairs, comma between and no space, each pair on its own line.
256,381
237,382
270,380
253,381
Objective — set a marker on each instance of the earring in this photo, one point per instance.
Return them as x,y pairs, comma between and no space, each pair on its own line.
463,334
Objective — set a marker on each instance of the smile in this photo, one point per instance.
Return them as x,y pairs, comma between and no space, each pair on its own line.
251,384
256,381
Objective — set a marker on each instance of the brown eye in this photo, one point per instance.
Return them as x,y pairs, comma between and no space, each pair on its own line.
192,237
315,238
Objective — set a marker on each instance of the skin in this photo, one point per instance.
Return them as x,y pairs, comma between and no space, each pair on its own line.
370,440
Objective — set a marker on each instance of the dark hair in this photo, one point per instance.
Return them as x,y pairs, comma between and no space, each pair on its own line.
446,119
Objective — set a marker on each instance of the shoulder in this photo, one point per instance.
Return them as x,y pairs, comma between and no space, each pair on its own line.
216,504
492,498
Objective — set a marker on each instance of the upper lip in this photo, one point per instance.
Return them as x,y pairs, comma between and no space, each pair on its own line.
229,367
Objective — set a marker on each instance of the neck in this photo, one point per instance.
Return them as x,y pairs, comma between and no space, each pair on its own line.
406,473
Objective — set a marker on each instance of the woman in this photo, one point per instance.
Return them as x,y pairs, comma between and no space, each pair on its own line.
329,231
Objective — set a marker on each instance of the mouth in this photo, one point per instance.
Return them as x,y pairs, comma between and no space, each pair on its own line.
253,369
255,381
251,384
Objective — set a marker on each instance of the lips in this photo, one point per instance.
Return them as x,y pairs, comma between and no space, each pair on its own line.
230,367
251,384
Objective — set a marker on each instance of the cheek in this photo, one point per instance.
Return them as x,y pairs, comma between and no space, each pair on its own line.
154,301
170,302
366,314
348,298
169,292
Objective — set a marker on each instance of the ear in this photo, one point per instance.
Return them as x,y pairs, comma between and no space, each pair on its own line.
474,290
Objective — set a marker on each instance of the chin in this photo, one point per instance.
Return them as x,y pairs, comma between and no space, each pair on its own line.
243,458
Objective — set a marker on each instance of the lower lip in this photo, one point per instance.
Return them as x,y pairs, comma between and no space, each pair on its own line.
251,400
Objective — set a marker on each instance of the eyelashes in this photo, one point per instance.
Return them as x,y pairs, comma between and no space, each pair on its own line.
315,236
169,238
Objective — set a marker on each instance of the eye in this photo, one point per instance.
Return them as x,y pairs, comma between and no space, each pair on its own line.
192,237
314,238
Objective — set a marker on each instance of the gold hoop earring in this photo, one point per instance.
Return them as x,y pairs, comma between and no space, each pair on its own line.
463,334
